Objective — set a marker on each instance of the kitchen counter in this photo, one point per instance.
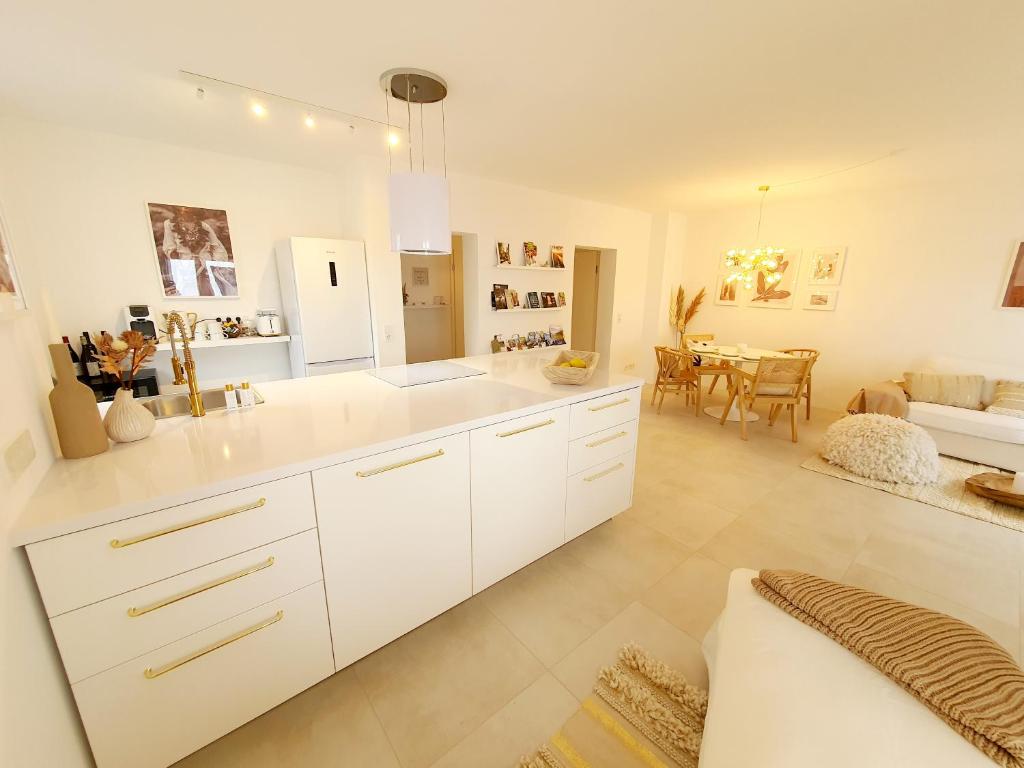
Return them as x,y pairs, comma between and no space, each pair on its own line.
304,425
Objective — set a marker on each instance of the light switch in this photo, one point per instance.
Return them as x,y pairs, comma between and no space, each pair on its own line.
20,454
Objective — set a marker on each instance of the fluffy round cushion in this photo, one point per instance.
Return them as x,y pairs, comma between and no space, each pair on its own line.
882,448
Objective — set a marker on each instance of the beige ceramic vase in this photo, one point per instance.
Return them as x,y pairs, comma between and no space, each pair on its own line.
127,420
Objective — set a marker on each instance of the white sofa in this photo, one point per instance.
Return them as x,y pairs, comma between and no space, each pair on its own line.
783,695
987,438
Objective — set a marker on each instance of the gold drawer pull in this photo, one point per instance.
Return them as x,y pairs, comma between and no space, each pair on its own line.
196,590
526,429
608,439
399,464
601,474
118,543
623,401
151,673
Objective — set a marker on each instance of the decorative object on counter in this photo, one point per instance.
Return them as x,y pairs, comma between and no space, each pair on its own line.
826,266
533,300
246,396
557,257
230,397
421,276
504,253
126,420
10,291
1013,295
530,254
193,251
680,315
138,317
571,367
75,415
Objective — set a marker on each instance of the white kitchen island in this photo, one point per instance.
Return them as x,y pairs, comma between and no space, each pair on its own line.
204,575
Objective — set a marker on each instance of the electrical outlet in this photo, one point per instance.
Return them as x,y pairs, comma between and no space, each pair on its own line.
629,366
20,454
389,333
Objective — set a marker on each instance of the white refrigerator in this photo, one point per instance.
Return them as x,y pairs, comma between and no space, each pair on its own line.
325,296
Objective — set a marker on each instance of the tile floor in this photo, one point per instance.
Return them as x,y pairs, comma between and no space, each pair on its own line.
495,676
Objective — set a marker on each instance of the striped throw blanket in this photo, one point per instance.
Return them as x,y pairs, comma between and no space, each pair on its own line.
958,672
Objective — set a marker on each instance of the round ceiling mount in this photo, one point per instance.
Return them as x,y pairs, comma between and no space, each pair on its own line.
417,86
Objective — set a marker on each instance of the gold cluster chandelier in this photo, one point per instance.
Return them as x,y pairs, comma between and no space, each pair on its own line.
744,265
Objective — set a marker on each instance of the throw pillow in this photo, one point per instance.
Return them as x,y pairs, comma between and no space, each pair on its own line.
1009,399
957,390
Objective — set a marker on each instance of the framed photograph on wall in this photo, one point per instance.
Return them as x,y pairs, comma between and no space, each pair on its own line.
826,266
11,296
193,251
777,295
822,299
1013,292
727,294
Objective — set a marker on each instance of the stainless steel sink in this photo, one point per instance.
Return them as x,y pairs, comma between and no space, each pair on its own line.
166,406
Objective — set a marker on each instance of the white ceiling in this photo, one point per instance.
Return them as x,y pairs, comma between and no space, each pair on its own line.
658,105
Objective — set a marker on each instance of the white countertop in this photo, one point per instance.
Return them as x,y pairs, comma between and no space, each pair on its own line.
305,424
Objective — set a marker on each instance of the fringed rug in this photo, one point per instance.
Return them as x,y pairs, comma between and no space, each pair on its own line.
643,714
948,493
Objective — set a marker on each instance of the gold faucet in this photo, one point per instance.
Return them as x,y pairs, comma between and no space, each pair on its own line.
195,397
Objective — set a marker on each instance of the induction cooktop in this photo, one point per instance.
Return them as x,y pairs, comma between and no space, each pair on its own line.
423,373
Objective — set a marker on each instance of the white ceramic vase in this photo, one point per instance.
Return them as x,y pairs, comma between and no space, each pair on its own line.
127,420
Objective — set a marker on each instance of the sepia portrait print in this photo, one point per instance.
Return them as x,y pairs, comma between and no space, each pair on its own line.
193,251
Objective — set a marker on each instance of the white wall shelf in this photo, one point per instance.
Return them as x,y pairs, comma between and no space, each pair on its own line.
527,309
530,269
427,306
165,346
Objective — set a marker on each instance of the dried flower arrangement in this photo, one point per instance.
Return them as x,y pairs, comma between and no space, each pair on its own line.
680,315
114,352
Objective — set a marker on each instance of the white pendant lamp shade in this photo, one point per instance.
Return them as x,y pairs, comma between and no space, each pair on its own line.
419,214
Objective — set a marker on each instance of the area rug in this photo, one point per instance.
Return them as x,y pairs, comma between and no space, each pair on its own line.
947,493
643,714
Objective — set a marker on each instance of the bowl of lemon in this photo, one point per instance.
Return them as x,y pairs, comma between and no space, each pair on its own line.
571,367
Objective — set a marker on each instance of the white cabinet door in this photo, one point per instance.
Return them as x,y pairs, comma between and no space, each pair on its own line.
333,299
395,541
518,470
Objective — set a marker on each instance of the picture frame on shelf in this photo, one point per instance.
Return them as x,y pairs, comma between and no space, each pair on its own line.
193,251
530,253
499,297
421,276
557,335
561,298
513,298
11,295
557,257
504,254
547,300
826,266
533,300
1012,295
821,299
727,294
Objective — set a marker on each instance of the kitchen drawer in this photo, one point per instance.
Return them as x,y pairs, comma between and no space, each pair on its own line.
599,414
88,566
395,535
518,492
154,710
598,494
593,449
104,634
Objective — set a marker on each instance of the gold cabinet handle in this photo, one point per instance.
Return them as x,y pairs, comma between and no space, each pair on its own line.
526,429
151,673
608,439
133,612
399,464
119,543
601,474
623,401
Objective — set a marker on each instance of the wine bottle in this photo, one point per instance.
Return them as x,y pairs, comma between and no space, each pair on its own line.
76,362
89,361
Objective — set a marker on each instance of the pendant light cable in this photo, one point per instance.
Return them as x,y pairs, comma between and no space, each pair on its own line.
387,113
444,142
760,212
423,144
408,115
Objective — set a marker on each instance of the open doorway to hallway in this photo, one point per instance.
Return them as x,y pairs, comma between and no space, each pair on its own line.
434,305
593,290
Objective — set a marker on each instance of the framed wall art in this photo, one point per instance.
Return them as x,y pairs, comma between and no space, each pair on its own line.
822,299
826,266
193,251
11,296
1013,291
777,295
727,294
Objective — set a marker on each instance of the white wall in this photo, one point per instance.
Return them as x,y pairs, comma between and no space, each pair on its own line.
428,326
925,268
40,724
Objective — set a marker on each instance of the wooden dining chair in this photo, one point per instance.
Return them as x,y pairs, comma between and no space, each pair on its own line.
675,373
813,354
717,370
777,381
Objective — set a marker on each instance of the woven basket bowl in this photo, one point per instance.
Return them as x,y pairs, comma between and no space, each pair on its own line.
557,375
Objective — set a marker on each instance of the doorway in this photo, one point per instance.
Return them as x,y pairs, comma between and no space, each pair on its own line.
586,286
433,305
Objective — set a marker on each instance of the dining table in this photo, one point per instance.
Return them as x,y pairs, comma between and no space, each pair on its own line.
735,357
